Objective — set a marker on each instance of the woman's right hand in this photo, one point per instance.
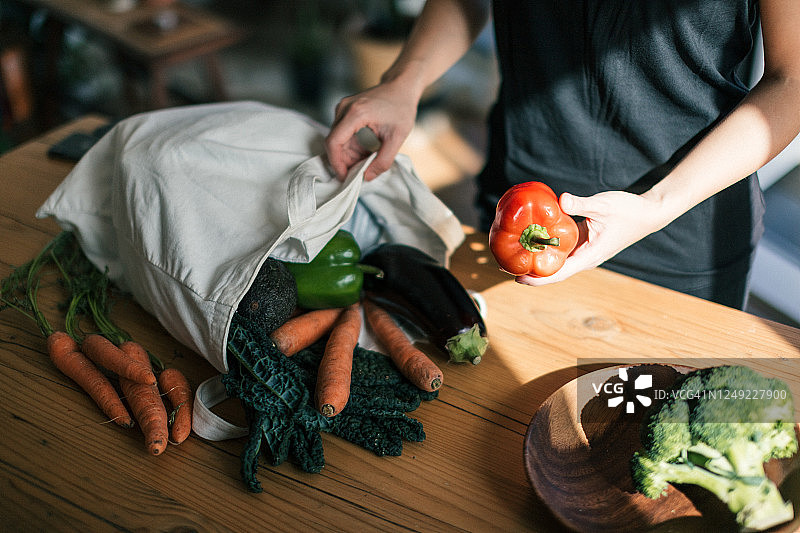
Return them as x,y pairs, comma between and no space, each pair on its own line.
386,109
442,33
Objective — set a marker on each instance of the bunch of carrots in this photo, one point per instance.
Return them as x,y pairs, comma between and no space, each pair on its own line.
343,327
88,359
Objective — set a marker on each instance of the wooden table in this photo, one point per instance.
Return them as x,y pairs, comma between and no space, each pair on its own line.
197,35
64,469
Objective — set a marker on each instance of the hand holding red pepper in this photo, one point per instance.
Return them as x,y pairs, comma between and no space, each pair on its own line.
531,235
611,221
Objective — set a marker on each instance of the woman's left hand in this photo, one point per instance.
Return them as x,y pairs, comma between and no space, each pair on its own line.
613,221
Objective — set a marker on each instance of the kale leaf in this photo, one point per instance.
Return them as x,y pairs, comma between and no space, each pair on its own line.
276,393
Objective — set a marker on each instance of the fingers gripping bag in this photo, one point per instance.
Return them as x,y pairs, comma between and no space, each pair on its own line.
182,207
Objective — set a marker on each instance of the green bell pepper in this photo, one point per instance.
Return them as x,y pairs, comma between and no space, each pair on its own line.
334,277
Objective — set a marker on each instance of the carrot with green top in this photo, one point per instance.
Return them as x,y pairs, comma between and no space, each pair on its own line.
146,404
20,291
104,353
335,368
302,331
60,342
174,385
410,360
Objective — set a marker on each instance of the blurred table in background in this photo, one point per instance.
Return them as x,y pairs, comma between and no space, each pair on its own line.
148,36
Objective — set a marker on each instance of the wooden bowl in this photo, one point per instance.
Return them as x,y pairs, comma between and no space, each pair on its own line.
577,454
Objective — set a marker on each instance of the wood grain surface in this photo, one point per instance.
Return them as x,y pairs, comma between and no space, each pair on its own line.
64,468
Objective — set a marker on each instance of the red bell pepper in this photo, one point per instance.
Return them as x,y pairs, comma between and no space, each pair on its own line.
530,234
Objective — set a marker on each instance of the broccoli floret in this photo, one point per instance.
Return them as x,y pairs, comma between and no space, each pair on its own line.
716,429
765,420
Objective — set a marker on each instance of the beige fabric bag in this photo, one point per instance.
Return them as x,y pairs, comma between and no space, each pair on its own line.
183,206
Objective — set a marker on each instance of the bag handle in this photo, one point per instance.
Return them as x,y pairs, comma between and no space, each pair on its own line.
302,201
207,424
309,176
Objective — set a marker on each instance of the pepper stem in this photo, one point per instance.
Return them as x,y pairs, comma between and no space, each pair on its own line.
369,269
535,238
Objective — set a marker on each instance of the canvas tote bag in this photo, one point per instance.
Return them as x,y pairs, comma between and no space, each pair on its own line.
183,205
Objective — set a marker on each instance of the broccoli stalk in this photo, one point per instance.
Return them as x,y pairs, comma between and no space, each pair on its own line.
755,501
709,440
652,477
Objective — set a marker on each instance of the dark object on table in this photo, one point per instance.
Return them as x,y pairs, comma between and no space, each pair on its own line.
272,298
75,145
414,285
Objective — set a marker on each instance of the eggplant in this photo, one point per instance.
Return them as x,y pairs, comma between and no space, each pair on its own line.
415,286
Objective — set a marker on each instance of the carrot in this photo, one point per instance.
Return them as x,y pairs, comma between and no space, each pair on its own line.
145,403
336,365
304,330
411,361
104,353
64,353
176,387
61,342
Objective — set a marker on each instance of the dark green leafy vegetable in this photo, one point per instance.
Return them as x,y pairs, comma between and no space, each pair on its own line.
275,392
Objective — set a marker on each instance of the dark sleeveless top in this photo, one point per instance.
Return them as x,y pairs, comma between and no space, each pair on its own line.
607,95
